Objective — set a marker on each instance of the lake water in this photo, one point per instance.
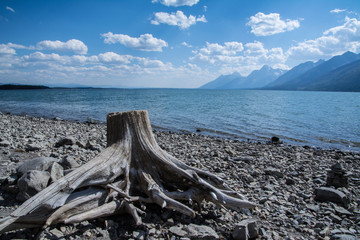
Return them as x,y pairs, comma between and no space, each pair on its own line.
321,119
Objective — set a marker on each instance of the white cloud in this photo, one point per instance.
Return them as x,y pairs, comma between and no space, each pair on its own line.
336,10
229,48
74,45
145,42
334,41
111,57
177,3
266,25
186,44
5,49
10,9
177,19
234,56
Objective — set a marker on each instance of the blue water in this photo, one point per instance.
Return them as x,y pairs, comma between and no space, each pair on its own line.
320,119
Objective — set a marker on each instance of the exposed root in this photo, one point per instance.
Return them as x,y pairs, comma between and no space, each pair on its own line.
131,171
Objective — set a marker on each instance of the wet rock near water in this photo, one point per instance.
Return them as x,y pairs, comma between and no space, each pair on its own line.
299,197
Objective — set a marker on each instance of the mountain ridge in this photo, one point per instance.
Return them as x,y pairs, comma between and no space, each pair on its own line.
339,73
304,80
256,79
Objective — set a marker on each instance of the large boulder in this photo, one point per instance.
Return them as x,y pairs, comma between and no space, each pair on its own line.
39,163
31,183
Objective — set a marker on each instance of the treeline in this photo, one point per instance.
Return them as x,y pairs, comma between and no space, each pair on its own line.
17,87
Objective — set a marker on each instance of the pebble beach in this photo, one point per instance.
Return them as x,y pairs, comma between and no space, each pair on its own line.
285,180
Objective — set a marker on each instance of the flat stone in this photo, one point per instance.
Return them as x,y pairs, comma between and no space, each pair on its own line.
194,231
201,232
342,211
56,233
325,194
178,231
273,172
343,237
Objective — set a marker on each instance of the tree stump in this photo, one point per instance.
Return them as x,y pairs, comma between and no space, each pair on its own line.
131,171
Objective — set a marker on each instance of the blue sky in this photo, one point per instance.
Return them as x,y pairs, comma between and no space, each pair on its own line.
167,43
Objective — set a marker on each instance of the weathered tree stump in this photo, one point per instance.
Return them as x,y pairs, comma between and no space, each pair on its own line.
132,170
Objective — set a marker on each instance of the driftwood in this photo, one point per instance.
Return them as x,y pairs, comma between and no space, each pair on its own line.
131,171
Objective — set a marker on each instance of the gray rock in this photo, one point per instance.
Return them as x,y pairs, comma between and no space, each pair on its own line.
93,146
4,143
200,232
343,237
56,171
65,141
325,194
31,183
342,211
178,231
240,233
32,147
194,231
39,163
246,229
68,163
273,172
56,233
139,234
12,179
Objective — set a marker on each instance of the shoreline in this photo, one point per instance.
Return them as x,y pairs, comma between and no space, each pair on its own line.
281,178
198,132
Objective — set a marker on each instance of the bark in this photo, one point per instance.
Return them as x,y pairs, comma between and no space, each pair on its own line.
132,170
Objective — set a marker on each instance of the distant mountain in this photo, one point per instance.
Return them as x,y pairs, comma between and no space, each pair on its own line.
300,79
262,77
345,79
222,81
294,73
256,79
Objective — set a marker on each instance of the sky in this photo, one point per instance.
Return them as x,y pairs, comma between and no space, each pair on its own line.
167,43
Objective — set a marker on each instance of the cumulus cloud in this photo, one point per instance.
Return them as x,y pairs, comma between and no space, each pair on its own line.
177,19
10,9
235,56
145,42
111,57
5,49
176,3
229,48
269,24
334,41
74,45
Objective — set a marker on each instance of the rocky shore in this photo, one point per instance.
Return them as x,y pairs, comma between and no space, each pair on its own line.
303,192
